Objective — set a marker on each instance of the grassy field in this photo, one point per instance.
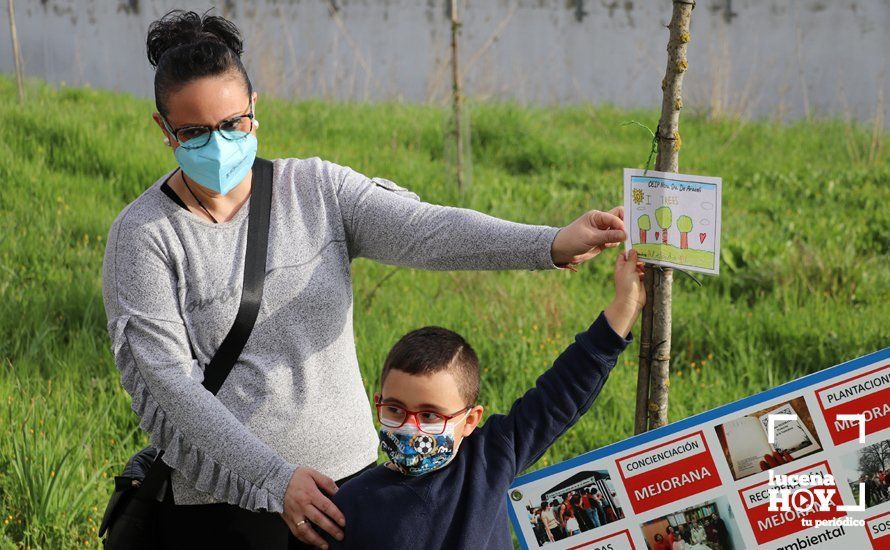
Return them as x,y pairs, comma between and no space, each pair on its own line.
804,280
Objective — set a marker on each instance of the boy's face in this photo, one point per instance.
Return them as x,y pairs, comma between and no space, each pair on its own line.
436,392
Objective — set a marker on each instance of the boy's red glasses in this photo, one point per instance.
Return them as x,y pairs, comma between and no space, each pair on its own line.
428,422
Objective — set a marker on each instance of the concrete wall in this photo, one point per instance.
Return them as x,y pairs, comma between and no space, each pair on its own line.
783,58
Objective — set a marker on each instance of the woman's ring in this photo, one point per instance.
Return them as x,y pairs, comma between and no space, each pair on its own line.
301,522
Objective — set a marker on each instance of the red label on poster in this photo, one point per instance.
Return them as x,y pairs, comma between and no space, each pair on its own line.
616,541
878,529
668,472
771,525
867,394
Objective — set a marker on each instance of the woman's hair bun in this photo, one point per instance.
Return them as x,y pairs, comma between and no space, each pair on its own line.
180,27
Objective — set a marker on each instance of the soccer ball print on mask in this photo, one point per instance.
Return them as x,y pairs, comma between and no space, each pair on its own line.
415,453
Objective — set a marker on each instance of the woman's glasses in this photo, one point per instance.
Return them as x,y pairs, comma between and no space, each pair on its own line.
429,422
194,137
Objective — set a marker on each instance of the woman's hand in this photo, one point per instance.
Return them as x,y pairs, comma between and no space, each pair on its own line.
305,505
630,293
589,235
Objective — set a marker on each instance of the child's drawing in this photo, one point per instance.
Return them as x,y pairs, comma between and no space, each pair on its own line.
673,219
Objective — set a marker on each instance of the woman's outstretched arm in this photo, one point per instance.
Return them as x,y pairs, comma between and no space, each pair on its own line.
390,224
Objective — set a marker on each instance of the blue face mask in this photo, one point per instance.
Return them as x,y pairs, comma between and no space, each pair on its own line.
219,165
415,453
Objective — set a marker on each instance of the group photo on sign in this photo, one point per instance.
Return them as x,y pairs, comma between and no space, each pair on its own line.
868,473
584,501
389,274
708,526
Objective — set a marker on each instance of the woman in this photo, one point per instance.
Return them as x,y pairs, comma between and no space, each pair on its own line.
534,516
548,516
581,513
587,503
698,537
670,536
679,544
292,416
572,527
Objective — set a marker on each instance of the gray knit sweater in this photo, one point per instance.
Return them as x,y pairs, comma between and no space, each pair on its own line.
170,278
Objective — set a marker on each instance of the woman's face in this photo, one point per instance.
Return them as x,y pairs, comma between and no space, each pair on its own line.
205,102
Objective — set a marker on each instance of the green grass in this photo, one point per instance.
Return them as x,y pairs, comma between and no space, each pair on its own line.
804,279
670,253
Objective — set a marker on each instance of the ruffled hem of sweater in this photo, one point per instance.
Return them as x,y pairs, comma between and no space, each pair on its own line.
193,463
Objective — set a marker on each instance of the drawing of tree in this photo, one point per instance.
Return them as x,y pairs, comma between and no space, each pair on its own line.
684,225
645,224
664,217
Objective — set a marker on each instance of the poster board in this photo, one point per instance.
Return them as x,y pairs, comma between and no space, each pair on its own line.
673,220
701,478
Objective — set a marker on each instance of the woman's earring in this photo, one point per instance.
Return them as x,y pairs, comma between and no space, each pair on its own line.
166,141
256,123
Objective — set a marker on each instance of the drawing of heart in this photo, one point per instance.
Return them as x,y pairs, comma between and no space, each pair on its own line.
701,237
657,233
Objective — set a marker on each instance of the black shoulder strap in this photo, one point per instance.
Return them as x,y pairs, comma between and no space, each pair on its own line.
254,278
251,293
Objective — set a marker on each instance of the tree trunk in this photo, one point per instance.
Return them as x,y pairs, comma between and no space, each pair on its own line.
684,241
642,236
457,98
641,418
657,341
16,54
664,236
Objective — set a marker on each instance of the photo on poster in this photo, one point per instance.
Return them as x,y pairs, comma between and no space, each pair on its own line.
673,219
710,525
571,506
869,465
747,449
662,463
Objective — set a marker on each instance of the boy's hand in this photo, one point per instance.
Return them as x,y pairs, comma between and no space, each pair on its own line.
587,236
630,294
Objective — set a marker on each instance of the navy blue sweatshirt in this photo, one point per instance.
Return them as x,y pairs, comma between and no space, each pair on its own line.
464,504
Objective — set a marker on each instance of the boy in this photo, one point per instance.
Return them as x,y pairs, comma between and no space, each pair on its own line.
429,495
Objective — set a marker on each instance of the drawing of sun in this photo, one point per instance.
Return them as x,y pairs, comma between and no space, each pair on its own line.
638,196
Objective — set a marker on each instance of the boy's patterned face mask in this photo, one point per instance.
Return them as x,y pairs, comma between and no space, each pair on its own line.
415,453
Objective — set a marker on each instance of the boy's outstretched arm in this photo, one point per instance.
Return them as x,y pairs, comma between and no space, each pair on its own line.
567,390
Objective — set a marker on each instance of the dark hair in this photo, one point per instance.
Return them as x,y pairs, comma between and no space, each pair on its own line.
429,350
183,46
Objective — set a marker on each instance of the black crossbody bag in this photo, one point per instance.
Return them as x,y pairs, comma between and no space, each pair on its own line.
131,517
